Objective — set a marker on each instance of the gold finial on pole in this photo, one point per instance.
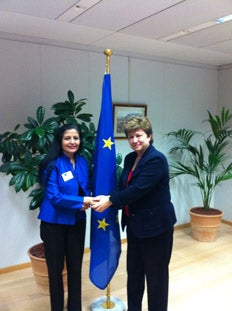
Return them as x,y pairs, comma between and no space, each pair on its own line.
108,53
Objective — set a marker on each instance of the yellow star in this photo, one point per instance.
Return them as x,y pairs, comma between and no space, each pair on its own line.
102,224
108,143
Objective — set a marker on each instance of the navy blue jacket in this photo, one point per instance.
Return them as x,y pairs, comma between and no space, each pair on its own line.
147,195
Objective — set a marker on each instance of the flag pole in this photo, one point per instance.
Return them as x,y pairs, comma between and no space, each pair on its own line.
108,304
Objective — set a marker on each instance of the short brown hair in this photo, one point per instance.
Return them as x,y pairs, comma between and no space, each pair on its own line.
135,123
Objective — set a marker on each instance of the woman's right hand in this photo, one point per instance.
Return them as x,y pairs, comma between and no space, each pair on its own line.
101,203
87,203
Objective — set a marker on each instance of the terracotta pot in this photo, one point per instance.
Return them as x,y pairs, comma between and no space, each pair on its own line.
205,227
39,268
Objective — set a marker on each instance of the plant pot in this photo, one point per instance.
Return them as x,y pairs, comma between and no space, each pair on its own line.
40,271
205,225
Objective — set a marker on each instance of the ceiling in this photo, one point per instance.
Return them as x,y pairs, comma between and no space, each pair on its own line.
162,29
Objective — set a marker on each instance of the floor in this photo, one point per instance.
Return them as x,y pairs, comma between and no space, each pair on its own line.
200,278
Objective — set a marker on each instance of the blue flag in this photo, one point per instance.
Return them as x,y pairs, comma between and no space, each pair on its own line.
105,240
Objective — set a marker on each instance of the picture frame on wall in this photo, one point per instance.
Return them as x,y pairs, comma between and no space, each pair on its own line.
123,111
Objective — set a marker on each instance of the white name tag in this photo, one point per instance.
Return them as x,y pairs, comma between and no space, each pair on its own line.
67,176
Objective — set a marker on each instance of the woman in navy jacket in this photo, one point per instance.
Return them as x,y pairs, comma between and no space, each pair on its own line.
64,175
143,194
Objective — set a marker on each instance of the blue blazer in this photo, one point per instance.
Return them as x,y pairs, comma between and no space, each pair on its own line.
64,191
147,195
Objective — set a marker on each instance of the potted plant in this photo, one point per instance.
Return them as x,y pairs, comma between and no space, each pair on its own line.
23,149
204,157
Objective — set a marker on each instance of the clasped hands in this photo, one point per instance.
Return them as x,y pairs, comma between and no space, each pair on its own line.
99,203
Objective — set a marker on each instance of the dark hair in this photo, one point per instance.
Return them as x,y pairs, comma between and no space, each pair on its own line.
56,150
136,123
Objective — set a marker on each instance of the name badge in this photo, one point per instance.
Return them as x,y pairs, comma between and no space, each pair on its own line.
67,176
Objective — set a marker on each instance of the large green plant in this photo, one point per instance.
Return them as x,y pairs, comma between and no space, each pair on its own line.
205,157
23,148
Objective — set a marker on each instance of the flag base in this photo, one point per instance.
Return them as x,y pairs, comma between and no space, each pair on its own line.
101,304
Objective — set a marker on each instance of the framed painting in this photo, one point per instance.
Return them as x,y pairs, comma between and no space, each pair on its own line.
124,111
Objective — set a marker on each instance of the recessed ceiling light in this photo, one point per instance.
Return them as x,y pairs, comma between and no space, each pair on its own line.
224,19
70,13
77,9
193,29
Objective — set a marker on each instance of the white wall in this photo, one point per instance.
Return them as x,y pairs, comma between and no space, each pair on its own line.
223,197
177,95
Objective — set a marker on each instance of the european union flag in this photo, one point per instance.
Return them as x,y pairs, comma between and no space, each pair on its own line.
105,240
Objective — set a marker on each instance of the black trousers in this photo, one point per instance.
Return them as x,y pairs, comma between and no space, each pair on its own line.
148,259
62,241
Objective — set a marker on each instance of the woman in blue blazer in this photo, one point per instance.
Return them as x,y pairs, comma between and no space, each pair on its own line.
148,214
64,176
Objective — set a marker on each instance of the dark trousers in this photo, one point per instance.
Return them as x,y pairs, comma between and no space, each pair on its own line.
62,241
148,259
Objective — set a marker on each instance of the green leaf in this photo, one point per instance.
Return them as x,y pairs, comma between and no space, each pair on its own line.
16,127
118,158
70,97
18,181
32,123
40,113
40,131
26,136
85,117
63,109
36,196
30,180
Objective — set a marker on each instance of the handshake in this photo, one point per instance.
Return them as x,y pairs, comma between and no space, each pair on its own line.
99,203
